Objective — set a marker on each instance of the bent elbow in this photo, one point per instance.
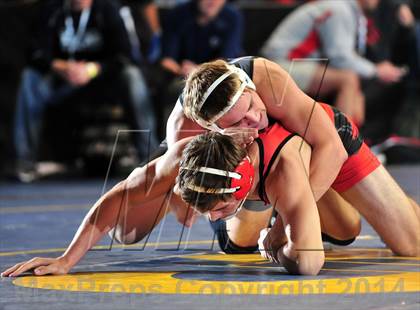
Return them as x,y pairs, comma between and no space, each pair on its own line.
339,152
310,265
311,270
343,155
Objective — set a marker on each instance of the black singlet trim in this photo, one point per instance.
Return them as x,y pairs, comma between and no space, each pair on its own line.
261,188
245,63
261,168
345,131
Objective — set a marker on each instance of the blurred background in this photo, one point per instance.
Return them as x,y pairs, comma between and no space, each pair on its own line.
77,75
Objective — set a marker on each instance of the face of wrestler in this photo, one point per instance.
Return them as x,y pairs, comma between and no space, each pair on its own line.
249,111
210,8
225,209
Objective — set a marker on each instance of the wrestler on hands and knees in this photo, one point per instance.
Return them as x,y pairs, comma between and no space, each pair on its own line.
220,95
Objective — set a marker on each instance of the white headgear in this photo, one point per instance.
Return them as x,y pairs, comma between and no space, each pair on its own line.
214,171
245,82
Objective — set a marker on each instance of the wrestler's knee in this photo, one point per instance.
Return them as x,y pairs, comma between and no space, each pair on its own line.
351,230
410,247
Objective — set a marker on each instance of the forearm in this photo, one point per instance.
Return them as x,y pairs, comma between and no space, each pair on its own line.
303,252
326,162
100,220
298,211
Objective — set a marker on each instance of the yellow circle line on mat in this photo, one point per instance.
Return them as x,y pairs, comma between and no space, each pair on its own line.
376,263
104,247
340,254
165,283
43,208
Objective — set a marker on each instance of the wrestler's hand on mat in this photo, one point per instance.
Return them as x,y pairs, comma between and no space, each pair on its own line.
39,266
243,136
269,243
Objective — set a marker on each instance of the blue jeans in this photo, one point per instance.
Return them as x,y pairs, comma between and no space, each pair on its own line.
38,91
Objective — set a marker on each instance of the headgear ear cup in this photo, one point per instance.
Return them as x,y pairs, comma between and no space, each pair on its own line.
246,171
241,184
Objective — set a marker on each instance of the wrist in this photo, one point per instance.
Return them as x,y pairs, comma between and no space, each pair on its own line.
67,262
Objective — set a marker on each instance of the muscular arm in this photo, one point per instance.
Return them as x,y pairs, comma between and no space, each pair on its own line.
179,126
289,191
290,106
142,185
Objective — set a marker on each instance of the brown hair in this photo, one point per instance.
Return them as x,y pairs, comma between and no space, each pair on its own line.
200,80
212,150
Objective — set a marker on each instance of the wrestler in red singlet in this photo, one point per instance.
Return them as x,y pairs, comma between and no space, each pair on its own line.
360,163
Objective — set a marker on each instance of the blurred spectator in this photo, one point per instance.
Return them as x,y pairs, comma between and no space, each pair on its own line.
336,30
151,15
196,32
392,36
83,55
289,2
200,31
147,27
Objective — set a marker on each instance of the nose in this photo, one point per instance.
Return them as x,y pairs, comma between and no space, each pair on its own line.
214,216
252,118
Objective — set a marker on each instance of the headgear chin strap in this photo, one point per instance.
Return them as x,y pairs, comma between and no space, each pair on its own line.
242,180
245,82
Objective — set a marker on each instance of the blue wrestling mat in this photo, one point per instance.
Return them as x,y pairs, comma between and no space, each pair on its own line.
178,268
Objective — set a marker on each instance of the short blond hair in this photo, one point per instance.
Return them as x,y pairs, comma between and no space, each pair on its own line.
197,84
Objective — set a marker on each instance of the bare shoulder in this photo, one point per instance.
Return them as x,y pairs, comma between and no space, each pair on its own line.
169,162
265,69
275,87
